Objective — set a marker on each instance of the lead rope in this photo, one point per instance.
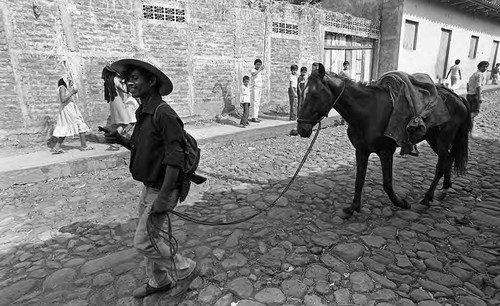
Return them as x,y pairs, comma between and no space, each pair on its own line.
168,237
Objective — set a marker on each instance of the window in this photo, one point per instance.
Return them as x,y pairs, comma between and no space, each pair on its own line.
410,38
163,13
473,46
285,28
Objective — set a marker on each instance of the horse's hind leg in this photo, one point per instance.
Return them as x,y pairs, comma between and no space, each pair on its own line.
447,178
441,168
361,165
386,159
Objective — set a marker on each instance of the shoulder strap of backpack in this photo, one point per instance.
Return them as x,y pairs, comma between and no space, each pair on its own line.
155,119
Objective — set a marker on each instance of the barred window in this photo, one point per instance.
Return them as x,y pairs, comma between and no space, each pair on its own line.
348,22
285,28
163,13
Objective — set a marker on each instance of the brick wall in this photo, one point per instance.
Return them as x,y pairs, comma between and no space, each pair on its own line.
206,56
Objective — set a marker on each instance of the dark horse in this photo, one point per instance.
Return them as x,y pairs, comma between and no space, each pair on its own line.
367,110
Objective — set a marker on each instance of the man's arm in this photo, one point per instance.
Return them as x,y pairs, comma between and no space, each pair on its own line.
448,74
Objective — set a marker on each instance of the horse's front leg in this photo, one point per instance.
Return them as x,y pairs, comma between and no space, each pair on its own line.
361,164
386,159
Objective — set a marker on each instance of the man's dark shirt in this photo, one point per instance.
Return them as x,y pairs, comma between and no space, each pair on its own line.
156,145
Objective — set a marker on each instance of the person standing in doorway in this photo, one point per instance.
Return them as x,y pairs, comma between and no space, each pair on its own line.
157,160
474,89
245,100
292,92
69,119
455,73
256,89
346,70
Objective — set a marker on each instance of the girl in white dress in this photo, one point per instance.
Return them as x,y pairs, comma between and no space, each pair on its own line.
69,119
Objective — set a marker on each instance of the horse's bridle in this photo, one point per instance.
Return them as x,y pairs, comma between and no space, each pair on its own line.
313,122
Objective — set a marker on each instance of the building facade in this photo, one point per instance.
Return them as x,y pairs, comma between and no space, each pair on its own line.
204,46
429,35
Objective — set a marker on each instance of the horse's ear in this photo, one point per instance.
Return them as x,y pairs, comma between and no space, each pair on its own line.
321,70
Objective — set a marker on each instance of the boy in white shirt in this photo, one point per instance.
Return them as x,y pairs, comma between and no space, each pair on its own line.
256,89
245,100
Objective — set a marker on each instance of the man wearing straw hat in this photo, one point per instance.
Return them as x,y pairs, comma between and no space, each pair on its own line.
156,160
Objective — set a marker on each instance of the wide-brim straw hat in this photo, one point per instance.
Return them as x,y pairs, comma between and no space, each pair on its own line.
124,65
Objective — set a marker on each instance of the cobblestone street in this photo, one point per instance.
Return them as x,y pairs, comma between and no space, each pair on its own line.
69,241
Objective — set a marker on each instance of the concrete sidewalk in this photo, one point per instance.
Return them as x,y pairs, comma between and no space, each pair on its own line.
43,165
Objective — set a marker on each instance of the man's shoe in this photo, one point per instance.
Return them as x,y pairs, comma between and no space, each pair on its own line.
255,120
146,290
183,284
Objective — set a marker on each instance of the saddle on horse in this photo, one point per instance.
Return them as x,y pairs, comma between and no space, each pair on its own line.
417,106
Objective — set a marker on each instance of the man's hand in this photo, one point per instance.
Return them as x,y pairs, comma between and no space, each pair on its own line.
159,207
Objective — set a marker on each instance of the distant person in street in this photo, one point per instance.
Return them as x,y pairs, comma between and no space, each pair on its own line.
292,92
157,160
302,81
115,93
455,73
494,74
346,70
256,89
69,119
245,100
474,88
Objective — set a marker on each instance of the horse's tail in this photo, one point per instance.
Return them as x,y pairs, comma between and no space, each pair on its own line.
460,145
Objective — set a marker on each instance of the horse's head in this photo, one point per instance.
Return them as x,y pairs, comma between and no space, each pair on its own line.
318,99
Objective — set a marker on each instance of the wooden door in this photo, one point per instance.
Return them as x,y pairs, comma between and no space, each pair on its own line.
444,50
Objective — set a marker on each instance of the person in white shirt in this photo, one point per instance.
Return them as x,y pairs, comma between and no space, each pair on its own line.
256,89
346,70
245,101
292,92
474,89
455,73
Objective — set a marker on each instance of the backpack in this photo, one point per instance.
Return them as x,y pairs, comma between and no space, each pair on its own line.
191,151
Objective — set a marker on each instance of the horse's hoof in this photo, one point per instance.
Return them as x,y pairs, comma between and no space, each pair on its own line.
347,212
441,196
425,201
404,204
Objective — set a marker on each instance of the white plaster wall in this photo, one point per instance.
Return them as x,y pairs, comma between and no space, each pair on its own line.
431,18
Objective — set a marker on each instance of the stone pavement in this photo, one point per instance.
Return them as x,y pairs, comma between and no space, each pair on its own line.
68,241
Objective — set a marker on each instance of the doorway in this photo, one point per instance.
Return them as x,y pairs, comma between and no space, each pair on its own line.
358,51
444,50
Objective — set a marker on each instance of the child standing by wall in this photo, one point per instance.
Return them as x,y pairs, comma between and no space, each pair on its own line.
69,119
256,89
302,80
245,100
292,92
455,73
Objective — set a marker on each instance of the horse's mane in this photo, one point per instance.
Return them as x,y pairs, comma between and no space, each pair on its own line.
350,83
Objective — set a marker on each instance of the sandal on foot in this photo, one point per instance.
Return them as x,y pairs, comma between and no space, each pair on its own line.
87,148
57,151
183,284
146,290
